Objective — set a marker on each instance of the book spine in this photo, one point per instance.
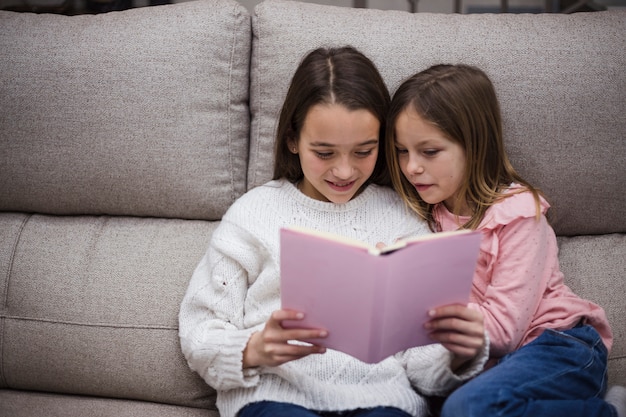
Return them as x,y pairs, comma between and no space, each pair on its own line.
380,266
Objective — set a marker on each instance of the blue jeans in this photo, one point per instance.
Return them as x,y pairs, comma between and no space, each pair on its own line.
276,409
557,374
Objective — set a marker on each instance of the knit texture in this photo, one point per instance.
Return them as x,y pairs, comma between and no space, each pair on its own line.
236,287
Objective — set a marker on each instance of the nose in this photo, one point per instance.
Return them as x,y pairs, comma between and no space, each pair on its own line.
414,165
343,169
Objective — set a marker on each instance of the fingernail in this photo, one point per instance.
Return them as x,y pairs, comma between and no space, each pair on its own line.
300,315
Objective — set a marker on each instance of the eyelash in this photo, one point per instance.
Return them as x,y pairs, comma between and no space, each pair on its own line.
427,152
328,155
323,155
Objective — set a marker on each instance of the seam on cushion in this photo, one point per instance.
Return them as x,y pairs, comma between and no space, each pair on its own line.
77,323
11,260
234,193
3,380
5,308
229,109
254,55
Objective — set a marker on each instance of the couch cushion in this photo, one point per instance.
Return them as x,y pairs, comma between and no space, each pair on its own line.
595,269
28,404
560,79
90,306
142,112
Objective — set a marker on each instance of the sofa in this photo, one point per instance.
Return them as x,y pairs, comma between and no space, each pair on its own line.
125,136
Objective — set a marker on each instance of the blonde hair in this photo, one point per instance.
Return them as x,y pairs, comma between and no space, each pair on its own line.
461,101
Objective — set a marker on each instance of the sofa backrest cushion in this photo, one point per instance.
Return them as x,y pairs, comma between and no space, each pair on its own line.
560,80
142,112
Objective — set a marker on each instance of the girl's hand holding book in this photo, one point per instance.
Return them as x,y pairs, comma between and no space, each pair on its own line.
274,345
459,329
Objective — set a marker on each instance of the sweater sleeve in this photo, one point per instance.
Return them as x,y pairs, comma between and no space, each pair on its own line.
428,368
212,328
522,261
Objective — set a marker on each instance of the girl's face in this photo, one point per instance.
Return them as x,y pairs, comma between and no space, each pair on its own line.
338,150
434,164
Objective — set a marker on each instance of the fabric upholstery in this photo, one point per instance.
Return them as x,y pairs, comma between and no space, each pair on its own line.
91,306
595,269
139,113
28,404
563,115
124,137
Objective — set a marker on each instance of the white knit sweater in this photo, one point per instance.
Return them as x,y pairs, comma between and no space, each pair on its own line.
235,288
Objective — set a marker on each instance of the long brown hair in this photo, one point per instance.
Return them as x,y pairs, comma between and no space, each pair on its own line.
460,100
330,76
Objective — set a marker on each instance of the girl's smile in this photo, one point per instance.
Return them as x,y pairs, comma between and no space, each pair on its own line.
341,186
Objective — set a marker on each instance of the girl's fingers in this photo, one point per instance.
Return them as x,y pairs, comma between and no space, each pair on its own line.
279,315
456,310
459,339
455,325
275,331
461,345
456,317
458,328
275,345
285,335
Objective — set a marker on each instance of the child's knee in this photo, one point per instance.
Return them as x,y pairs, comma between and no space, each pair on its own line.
477,400
460,404
471,400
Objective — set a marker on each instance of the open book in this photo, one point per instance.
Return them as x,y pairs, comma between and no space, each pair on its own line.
373,302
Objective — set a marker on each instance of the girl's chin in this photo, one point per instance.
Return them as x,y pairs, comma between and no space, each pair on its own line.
339,198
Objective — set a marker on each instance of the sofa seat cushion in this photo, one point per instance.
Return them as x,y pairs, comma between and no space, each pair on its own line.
89,306
28,404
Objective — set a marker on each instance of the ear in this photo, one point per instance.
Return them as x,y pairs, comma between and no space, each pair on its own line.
292,145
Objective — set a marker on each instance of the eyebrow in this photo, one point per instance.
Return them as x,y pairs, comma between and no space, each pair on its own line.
330,145
421,142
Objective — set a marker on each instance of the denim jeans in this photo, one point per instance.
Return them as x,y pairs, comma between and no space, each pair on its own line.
277,409
557,374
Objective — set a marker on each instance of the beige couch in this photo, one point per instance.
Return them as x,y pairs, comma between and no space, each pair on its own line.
125,136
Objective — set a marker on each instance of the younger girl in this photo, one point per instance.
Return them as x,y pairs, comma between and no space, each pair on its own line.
328,164
447,160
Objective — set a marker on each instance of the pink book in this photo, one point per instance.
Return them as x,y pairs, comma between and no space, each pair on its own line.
374,303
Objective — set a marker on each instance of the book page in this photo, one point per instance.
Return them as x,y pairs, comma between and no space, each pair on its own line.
332,284
421,278
332,237
403,242
398,244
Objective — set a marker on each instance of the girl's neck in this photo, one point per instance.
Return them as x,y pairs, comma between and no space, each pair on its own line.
460,209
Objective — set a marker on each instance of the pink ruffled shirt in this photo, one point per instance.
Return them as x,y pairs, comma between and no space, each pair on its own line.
518,284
